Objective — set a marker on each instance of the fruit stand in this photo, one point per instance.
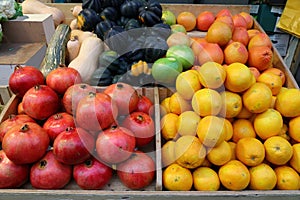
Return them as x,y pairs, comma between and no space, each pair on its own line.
157,94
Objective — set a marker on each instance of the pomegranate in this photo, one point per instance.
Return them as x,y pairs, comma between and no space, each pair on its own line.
61,78
11,174
96,112
92,174
40,102
11,121
20,109
142,125
74,94
24,78
48,173
58,123
73,146
145,105
138,171
124,95
115,144
25,143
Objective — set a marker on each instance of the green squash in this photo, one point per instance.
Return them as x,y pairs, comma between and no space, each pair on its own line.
151,13
103,27
155,48
117,39
130,8
110,13
87,19
96,5
109,59
101,77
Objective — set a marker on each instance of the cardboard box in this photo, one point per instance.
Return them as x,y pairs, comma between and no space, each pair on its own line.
12,54
29,28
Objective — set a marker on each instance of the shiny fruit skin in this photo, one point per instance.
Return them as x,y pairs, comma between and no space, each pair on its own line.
96,112
124,96
74,94
138,171
142,125
11,121
40,102
25,143
48,173
115,144
61,78
92,174
73,146
145,105
11,174
24,78
58,123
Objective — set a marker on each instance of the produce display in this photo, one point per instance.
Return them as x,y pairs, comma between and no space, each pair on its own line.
229,121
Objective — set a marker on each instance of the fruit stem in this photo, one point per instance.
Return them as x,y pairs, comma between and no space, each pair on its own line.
88,163
57,116
24,128
43,163
140,118
11,116
68,129
120,86
113,127
62,65
92,94
17,67
83,86
37,87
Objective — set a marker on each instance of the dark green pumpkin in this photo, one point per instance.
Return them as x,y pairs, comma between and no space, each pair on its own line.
117,39
109,59
162,30
103,27
150,13
87,19
110,13
96,5
155,48
132,23
130,8
113,3
101,77
122,21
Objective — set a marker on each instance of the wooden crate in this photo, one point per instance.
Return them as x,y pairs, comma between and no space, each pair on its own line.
114,185
5,95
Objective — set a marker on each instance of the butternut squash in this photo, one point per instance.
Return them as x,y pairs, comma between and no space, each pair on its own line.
76,9
37,7
73,47
87,60
81,35
73,24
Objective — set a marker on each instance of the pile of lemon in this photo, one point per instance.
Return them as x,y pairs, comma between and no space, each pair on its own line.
224,128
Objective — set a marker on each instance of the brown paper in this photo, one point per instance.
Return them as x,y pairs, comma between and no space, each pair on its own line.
290,18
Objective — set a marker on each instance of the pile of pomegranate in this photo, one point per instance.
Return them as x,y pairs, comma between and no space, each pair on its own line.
68,130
